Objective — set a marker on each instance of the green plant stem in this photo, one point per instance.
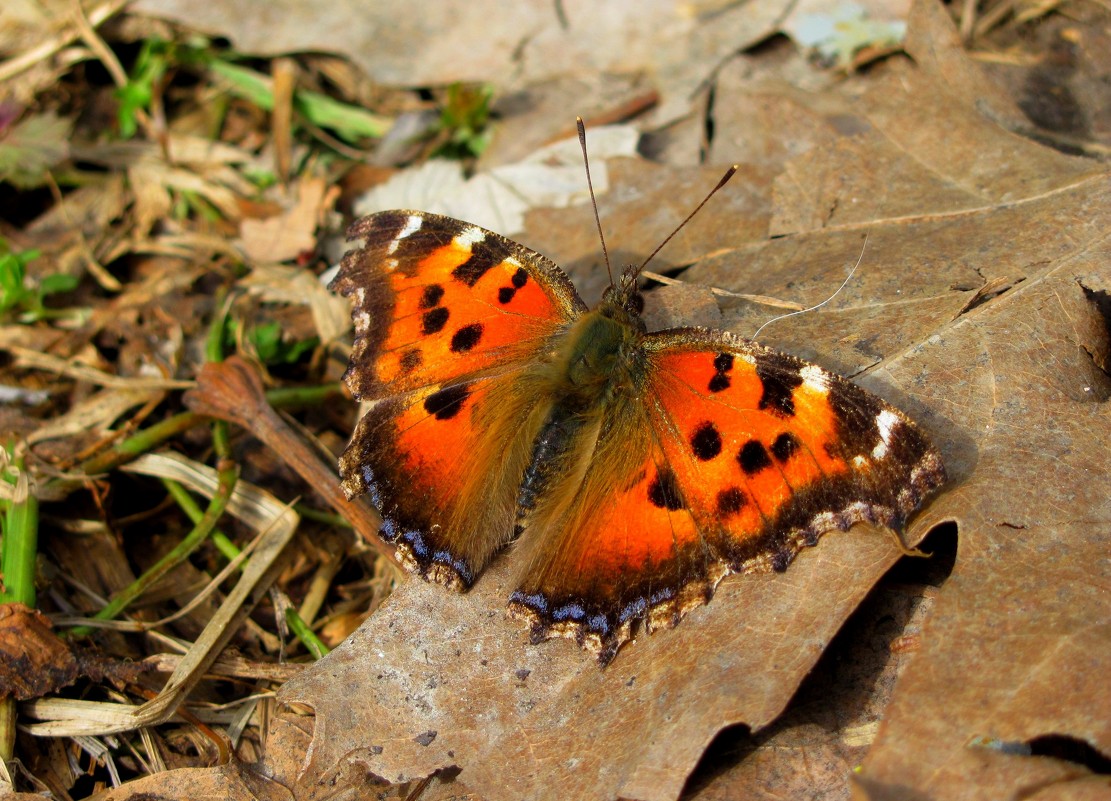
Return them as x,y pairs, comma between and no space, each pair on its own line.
21,543
142,442
221,439
228,549
227,477
350,122
299,397
317,516
306,635
17,561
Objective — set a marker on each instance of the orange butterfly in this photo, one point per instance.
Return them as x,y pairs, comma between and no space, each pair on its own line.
631,470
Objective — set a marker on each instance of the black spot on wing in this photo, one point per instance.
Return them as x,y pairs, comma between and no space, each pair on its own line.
753,458
448,402
779,387
706,441
723,364
664,492
434,320
431,296
485,255
517,281
466,338
784,446
730,501
719,382
411,360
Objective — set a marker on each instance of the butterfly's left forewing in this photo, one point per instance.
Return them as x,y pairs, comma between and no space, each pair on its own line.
450,322
771,451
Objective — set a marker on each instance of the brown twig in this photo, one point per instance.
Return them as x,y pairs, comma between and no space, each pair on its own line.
232,391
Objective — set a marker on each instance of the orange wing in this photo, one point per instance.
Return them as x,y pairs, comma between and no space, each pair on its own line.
447,318
737,457
436,299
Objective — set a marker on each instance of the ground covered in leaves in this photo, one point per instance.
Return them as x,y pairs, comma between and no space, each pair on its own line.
191,607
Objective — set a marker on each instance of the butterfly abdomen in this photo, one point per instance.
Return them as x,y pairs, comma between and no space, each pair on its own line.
596,371
549,447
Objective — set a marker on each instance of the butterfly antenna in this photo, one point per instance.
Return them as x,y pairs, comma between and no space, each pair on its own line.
593,201
824,302
724,180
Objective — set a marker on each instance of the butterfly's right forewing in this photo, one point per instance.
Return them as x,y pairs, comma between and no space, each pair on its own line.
450,323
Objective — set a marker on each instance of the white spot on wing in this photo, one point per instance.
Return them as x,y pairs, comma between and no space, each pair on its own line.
886,421
815,379
856,511
412,225
470,236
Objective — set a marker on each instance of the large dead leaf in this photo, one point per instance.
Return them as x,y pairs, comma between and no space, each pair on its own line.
447,681
1027,602
517,716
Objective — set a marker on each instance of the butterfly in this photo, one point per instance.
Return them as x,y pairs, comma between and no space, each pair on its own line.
630,471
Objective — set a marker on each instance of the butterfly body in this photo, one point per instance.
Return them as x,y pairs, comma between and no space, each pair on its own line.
628,472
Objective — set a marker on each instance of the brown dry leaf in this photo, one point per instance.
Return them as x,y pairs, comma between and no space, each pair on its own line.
34,661
1027,602
232,782
95,413
811,750
644,203
292,233
196,165
541,112
533,717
